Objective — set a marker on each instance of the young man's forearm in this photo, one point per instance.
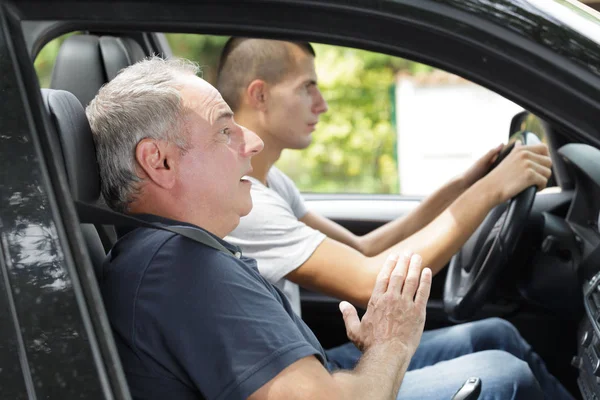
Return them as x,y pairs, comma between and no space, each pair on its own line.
446,234
395,231
378,375
342,272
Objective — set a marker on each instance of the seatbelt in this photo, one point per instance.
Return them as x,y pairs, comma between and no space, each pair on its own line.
92,214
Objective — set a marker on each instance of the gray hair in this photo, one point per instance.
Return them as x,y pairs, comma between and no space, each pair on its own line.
142,101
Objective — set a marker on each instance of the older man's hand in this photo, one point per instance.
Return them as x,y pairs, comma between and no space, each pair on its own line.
396,311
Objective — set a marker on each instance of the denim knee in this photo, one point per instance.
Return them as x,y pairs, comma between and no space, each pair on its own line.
496,327
497,334
511,379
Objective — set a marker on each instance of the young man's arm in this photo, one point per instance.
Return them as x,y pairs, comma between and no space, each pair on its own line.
395,231
341,271
388,333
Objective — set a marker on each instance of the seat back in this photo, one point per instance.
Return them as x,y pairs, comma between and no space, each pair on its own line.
83,65
77,150
86,62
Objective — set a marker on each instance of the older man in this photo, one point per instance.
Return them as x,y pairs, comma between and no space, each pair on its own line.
193,322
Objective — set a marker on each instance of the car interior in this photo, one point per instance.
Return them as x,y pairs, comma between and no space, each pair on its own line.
537,283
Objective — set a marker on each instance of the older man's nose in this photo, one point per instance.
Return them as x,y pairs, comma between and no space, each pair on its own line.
252,143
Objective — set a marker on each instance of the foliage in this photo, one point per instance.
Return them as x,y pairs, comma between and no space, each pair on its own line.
203,49
354,146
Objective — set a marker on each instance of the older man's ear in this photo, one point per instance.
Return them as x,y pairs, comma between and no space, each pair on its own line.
156,162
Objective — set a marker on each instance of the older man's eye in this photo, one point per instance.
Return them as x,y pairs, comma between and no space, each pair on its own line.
227,133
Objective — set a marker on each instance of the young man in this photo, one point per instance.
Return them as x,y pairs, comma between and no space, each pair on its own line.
193,322
272,88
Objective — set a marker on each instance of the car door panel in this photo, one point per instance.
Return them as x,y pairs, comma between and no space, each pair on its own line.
46,278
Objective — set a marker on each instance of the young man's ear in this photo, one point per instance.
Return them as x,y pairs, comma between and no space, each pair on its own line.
257,94
155,159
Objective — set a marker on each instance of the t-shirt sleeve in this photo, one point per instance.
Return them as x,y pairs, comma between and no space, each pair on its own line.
286,188
274,236
223,326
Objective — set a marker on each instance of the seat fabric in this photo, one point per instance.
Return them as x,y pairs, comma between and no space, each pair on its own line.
76,146
83,65
86,62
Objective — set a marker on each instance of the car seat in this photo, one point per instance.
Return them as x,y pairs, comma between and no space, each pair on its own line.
83,65
86,62
76,146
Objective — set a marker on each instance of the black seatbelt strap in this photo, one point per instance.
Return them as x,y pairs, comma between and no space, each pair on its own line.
91,214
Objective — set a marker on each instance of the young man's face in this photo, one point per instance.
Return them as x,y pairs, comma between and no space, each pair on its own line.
220,150
295,103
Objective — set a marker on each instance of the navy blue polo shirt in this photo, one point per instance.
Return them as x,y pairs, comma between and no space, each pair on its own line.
192,322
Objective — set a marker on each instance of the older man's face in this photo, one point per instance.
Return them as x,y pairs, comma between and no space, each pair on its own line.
220,150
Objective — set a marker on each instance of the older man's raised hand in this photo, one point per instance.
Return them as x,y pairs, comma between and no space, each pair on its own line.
396,311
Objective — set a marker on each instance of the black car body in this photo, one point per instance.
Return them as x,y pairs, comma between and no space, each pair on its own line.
55,340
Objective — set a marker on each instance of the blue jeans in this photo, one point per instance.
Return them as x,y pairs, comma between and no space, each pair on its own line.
491,349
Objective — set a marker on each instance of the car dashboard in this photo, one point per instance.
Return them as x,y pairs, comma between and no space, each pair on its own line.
583,221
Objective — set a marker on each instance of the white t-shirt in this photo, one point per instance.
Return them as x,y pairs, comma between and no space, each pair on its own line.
273,234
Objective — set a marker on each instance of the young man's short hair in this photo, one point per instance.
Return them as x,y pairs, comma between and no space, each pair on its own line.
245,59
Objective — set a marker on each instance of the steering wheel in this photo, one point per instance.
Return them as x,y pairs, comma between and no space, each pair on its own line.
474,270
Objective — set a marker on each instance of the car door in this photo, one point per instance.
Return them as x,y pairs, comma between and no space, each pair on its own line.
55,340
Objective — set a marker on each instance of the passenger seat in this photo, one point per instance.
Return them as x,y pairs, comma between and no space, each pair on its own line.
76,145
86,62
83,65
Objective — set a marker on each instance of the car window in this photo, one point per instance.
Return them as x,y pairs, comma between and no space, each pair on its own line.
394,126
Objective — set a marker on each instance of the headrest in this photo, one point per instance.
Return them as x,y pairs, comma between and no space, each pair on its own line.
119,53
86,62
76,142
79,68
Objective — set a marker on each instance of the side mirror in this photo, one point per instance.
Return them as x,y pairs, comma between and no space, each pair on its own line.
517,123
529,129
524,124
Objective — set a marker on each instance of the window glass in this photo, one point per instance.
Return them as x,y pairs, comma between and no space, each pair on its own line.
394,126
444,124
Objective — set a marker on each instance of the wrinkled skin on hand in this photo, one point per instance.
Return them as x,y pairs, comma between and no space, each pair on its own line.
396,311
